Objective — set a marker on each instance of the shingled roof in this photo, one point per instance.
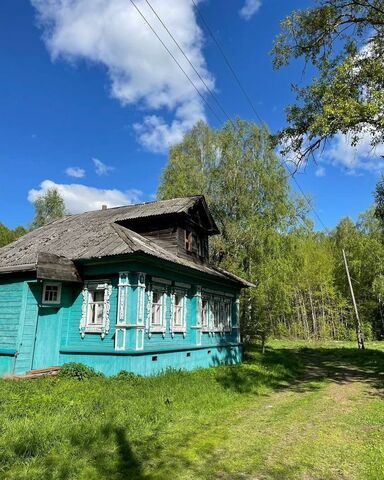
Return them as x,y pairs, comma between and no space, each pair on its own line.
98,234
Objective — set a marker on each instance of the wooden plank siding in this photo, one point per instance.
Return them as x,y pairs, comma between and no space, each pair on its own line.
11,292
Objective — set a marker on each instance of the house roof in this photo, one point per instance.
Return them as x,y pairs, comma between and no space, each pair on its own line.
97,234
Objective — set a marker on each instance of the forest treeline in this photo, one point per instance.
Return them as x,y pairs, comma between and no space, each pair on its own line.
267,237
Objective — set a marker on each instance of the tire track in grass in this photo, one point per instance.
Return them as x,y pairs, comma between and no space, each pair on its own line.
311,430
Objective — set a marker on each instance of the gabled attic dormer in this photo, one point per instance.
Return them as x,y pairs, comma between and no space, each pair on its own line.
181,226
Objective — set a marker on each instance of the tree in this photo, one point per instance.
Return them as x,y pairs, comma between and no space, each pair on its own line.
249,195
379,202
344,42
48,207
8,235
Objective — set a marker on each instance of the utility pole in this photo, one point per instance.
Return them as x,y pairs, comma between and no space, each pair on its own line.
359,333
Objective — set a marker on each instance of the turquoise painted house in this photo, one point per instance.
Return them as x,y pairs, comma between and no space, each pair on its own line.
127,288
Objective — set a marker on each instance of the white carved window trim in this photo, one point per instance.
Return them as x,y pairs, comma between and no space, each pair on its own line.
161,326
204,313
178,310
227,315
218,313
88,291
48,285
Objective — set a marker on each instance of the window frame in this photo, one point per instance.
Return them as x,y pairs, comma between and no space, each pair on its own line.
52,302
92,308
161,304
227,315
162,291
218,314
181,309
89,289
204,314
188,240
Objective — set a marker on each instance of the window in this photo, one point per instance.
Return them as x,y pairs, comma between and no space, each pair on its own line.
227,316
95,316
178,311
188,241
204,313
216,315
95,309
52,293
157,309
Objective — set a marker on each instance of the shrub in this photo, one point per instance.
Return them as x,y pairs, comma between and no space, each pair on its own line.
128,377
78,371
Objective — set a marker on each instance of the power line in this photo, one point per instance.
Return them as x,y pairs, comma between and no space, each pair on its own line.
218,103
228,63
249,100
176,61
207,87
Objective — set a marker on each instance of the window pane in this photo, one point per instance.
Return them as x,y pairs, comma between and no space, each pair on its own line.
155,297
178,310
96,313
98,296
96,308
51,293
156,309
204,313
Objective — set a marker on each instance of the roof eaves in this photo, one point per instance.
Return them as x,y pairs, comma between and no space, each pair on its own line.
26,267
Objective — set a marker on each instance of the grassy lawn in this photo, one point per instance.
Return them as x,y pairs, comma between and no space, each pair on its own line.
301,411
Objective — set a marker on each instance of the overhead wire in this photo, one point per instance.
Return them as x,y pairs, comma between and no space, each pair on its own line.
175,60
209,90
249,100
211,93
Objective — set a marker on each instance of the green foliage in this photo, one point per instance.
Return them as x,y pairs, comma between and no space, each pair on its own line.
48,207
379,202
128,377
301,285
8,235
56,428
344,42
249,195
78,371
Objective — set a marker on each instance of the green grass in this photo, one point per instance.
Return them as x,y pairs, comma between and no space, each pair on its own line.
301,411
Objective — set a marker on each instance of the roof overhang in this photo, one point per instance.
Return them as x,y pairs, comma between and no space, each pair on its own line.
26,267
53,267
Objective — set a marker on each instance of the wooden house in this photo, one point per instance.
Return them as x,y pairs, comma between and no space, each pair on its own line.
128,288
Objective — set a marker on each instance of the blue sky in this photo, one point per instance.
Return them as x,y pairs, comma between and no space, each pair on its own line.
90,100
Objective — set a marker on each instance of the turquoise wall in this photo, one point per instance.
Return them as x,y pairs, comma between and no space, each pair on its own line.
20,304
158,362
12,306
11,292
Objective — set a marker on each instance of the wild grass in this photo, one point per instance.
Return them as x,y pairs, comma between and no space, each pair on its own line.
300,411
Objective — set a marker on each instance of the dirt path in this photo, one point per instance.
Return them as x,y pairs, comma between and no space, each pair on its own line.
322,426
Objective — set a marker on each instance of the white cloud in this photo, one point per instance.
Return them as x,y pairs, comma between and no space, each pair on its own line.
75,172
101,168
81,198
111,33
363,156
249,8
320,172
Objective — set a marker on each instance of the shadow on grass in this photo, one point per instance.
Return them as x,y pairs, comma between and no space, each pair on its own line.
124,464
129,466
305,369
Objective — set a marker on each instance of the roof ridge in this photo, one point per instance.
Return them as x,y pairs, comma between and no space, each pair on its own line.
131,205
